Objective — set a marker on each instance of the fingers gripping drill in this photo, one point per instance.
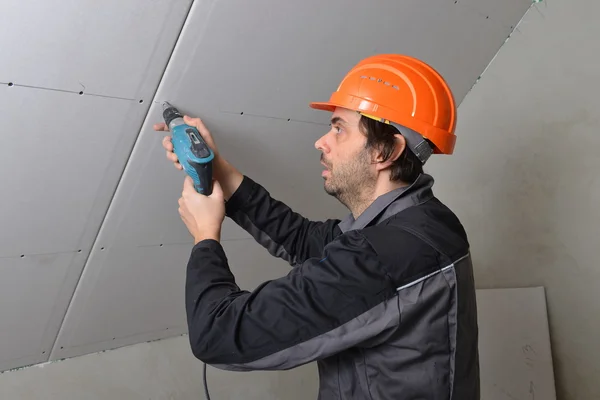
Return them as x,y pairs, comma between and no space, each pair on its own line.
193,153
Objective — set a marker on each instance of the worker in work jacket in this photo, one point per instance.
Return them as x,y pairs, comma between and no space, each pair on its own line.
384,300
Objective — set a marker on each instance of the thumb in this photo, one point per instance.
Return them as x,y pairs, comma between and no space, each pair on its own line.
191,121
217,191
188,184
195,122
198,124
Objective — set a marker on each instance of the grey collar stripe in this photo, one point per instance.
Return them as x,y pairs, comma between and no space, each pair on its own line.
391,203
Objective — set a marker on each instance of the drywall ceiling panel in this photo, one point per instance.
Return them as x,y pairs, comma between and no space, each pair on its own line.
30,292
80,143
59,171
272,59
506,13
136,294
514,344
63,152
114,48
122,302
249,70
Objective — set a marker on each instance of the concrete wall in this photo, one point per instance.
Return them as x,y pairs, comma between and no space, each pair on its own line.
525,178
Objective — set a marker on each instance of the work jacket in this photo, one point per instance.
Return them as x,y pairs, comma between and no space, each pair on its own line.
385,304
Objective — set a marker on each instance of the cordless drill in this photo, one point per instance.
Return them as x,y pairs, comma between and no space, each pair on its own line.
193,153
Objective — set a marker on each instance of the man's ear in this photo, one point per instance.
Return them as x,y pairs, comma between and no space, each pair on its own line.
400,145
399,148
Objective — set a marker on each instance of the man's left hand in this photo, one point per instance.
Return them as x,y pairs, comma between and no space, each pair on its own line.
202,215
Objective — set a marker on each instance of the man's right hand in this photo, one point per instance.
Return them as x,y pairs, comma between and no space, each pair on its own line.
229,177
168,145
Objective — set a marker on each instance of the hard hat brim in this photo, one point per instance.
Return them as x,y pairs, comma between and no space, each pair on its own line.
325,106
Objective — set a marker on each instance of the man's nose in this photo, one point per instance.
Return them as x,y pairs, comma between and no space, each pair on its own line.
322,145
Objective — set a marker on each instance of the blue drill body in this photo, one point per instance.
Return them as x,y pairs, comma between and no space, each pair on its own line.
193,153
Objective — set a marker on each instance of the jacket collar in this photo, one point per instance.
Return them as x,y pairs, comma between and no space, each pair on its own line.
391,203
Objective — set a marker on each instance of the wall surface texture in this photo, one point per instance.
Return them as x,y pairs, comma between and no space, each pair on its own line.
525,177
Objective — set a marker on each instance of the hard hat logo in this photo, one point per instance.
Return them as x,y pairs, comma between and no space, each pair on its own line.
404,92
379,80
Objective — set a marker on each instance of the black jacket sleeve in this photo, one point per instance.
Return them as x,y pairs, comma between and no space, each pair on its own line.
321,307
283,232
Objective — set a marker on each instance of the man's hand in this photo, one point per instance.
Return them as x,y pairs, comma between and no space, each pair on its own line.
202,215
228,176
198,124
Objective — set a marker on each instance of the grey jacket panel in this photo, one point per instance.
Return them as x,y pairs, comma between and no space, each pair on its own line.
381,318
416,358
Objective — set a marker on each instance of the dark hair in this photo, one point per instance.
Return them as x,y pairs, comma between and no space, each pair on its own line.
407,167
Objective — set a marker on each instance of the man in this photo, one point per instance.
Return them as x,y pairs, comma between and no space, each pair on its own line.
384,300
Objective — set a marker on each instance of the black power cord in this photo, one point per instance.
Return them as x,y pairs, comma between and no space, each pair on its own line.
205,384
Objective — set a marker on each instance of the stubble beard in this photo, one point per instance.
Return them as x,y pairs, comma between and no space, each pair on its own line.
351,183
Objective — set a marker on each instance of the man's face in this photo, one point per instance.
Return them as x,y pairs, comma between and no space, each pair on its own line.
348,167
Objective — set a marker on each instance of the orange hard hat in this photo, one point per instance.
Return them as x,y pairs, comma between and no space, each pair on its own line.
404,92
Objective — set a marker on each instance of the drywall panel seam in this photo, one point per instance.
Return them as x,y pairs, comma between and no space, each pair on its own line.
516,28
81,92
85,263
481,14
176,329
182,33
273,117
